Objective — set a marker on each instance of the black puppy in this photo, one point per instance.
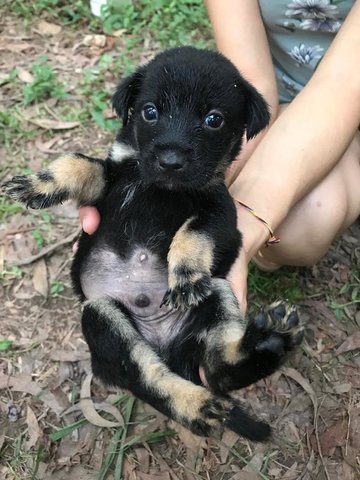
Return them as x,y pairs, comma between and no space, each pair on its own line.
152,278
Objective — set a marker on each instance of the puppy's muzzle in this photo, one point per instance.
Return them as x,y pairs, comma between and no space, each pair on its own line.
170,161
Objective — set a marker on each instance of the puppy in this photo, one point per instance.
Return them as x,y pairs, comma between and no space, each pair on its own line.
156,305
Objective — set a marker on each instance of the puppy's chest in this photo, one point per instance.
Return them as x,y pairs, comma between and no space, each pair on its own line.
139,282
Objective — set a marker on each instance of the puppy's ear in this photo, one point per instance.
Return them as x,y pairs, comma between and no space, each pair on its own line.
126,92
258,115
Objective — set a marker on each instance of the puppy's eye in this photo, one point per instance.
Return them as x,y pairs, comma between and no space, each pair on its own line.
149,113
214,120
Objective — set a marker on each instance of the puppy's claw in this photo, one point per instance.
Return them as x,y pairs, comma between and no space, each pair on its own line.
187,295
165,299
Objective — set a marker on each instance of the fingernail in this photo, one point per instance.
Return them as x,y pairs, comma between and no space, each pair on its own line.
86,224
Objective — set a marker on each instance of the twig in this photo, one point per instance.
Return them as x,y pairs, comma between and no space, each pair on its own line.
46,251
14,232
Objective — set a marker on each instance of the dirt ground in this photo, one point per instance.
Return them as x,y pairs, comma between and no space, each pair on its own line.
49,426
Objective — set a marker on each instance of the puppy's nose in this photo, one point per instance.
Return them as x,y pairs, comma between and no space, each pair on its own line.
171,161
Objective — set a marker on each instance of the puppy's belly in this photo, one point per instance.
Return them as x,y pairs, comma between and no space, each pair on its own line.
139,282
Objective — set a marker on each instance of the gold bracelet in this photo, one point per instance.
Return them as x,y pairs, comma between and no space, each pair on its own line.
272,240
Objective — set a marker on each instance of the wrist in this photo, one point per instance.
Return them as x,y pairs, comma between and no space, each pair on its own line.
254,233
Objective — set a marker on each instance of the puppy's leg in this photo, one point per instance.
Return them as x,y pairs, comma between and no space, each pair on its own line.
190,259
237,355
72,176
121,357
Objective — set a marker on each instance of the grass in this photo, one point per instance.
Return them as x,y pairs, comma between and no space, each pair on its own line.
120,443
350,291
23,465
171,23
268,287
45,84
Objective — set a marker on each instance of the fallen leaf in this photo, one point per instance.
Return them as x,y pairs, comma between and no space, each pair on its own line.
34,430
47,28
95,40
229,438
88,408
49,124
342,388
119,33
16,47
190,440
24,75
69,355
351,343
143,458
160,476
255,462
39,278
334,436
23,383
46,147
245,476
295,375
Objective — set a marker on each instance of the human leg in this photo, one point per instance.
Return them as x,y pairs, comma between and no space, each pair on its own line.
322,215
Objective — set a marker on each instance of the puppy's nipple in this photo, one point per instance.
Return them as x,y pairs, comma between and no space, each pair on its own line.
143,257
142,300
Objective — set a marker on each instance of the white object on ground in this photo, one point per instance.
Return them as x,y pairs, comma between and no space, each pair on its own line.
96,5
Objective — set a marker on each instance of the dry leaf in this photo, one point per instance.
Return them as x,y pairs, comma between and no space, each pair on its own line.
229,438
245,476
34,430
190,440
351,343
295,375
46,147
160,476
95,40
88,408
2,440
16,47
47,28
68,355
39,278
143,458
24,75
255,463
49,124
332,437
23,383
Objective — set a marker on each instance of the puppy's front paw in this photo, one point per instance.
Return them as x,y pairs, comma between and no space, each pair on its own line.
187,289
34,191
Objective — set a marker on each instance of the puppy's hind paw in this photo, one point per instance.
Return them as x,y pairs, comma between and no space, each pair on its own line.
273,332
219,412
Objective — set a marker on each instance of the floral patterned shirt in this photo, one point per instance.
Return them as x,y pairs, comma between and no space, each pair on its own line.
299,33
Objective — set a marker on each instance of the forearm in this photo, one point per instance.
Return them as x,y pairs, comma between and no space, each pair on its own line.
309,138
240,35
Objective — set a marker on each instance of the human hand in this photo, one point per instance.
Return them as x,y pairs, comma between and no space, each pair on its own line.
238,280
90,221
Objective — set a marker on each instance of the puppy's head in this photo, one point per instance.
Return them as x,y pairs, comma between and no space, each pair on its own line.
186,112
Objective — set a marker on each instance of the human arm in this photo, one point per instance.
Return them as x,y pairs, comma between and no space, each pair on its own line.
240,36
304,143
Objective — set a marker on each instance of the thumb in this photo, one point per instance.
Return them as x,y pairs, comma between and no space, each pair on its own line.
238,281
